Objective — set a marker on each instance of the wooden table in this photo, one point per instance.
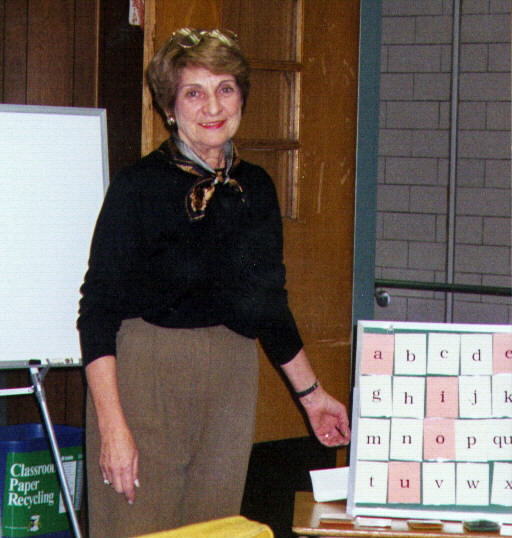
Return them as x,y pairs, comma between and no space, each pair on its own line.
307,514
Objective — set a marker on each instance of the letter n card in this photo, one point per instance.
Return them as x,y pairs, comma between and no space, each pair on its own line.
432,422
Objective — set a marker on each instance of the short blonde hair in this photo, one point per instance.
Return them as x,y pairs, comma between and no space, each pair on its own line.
215,50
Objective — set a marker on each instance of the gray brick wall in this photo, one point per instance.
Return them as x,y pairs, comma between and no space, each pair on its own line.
414,156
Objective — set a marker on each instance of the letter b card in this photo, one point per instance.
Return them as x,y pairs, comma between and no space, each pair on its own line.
432,421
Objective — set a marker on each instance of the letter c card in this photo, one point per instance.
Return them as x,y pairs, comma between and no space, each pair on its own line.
443,354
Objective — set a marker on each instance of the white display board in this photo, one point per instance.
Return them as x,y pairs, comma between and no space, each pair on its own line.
432,422
53,176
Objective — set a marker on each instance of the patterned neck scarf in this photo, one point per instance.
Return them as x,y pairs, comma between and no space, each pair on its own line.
203,189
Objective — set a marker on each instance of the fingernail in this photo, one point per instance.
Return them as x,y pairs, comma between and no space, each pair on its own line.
136,483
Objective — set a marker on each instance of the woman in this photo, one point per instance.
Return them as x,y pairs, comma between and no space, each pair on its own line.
185,273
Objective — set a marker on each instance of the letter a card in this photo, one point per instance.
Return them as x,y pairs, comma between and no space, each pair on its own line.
432,422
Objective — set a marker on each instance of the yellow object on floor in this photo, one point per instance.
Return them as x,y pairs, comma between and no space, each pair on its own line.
228,527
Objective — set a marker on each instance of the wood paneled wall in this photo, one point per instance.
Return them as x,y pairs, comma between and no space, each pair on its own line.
50,51
120,82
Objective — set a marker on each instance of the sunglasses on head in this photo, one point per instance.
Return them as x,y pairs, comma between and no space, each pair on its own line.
188,38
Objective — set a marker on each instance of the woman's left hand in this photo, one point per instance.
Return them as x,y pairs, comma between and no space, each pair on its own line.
327,417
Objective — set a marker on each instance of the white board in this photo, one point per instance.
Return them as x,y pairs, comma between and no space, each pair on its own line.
53,176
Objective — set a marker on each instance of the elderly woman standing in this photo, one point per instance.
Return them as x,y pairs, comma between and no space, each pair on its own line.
185,273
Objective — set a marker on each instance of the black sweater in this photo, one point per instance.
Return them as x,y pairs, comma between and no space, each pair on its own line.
150,259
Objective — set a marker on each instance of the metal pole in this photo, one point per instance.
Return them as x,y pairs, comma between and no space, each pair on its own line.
41,398
452,188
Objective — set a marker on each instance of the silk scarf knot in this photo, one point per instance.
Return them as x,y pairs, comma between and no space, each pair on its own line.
203,189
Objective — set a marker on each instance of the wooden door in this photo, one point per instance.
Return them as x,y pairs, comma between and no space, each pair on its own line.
300,124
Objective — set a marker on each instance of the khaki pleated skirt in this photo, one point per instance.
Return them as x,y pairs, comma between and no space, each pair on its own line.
189,396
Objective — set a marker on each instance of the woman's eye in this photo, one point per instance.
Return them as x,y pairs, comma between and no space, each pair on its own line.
227,89
192,93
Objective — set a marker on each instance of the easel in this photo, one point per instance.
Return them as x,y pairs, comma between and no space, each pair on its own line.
38,372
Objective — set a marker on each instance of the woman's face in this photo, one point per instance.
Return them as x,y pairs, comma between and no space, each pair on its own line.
208,110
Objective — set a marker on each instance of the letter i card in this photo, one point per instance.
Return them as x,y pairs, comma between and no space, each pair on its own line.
432,421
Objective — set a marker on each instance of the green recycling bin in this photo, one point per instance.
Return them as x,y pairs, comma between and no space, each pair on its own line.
32,501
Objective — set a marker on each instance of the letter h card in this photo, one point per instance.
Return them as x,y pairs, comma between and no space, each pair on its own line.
432,421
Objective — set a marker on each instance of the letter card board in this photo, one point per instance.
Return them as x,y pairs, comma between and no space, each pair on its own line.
432,421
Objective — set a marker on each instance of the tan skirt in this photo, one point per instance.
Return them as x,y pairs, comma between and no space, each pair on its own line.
189,396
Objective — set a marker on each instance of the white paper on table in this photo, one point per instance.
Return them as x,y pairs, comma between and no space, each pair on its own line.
330,484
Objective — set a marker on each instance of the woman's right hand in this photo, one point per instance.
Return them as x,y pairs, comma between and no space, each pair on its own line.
119,460
119,457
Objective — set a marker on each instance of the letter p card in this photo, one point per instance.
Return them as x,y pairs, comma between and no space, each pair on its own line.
432,422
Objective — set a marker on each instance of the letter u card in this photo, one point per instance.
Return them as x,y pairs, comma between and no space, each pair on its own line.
432,422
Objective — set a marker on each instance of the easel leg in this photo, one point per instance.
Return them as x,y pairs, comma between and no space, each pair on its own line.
41,398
